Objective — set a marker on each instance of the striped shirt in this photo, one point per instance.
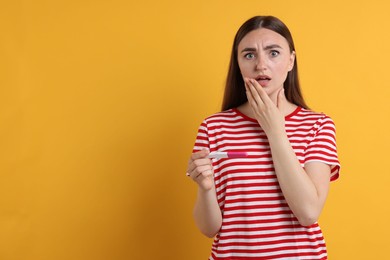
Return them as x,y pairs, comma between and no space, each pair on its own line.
257,221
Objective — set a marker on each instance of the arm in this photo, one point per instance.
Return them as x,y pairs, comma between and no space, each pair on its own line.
305,189
207,214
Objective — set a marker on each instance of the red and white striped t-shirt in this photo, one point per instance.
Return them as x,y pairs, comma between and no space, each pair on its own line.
257,222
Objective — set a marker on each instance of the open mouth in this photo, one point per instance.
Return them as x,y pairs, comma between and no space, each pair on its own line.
263,80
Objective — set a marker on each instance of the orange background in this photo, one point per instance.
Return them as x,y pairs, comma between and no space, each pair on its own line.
100,103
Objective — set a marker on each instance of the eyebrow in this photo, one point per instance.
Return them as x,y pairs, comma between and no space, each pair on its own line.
268,47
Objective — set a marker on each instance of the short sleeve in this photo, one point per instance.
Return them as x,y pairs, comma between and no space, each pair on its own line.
322,146
202,138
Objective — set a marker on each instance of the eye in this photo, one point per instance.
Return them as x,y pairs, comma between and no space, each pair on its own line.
274,53
249,56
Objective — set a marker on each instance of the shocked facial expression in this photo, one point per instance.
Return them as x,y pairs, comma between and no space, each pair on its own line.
265,56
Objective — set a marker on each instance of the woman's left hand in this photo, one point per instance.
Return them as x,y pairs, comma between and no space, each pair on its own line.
267,113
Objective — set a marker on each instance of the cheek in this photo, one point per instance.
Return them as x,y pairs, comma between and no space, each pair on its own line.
282,71
284,67
245,68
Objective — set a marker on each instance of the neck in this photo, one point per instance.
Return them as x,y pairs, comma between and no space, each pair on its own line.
286,109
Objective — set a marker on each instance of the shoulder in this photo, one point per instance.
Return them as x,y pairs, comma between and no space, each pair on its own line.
307,115
227,120
227,115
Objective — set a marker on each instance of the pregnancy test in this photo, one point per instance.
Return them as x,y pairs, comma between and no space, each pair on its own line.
219,155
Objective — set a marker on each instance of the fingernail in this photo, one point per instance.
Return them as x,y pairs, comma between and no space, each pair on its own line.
187,174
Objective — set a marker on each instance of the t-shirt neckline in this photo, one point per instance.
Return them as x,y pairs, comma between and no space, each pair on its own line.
254,120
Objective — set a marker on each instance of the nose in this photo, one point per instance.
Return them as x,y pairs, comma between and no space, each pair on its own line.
261,63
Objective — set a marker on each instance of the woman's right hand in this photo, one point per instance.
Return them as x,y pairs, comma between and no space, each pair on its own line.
200,169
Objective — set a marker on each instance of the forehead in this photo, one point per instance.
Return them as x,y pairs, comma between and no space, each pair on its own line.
261,38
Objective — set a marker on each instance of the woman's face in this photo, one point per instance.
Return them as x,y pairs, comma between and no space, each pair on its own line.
265,56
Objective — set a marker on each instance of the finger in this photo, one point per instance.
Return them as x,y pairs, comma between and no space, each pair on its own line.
204,174
205,169
246,83
195,156
200,154
260,92
249,89
255,103
254,89
248,92
251,100
198,163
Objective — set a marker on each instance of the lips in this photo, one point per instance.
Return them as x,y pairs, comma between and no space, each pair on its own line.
263,80
263,77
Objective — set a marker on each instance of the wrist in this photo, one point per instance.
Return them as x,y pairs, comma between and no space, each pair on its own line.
279,142
205,191
277,136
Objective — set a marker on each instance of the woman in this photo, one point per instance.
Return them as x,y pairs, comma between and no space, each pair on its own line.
266,204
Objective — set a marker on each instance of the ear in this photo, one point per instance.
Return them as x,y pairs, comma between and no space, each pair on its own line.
292,60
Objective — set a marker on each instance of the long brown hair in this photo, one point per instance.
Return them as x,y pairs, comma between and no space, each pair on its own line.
235,89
